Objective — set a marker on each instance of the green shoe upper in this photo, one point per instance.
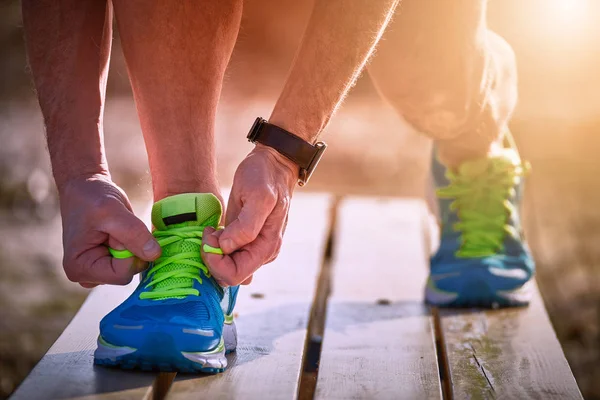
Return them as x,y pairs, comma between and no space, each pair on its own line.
180,221
481,192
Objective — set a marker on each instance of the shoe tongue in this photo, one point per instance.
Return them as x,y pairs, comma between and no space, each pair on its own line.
189,209
483,166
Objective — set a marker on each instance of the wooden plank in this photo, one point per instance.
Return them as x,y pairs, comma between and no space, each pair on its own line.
507,353
67,370
379,340
272,316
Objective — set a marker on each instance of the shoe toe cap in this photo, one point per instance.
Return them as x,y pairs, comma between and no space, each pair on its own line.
499,272
137,326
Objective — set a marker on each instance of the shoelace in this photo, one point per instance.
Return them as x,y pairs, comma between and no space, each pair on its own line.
188,268
482,203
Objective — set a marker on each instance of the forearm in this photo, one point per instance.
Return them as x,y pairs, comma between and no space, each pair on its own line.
338,41
68,44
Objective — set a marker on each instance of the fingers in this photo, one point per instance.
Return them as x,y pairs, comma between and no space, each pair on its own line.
230,270
87,285
248,222
126,231
96,266
281,233
237,267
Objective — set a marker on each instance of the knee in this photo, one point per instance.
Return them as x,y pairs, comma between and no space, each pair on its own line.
503,93
446,93
437,95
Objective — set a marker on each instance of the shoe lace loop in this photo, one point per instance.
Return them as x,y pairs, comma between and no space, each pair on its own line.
173,276
482,201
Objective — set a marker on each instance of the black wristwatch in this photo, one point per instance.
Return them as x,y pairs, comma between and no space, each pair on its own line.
304,154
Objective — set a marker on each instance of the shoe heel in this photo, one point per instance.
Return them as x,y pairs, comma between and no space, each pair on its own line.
230,336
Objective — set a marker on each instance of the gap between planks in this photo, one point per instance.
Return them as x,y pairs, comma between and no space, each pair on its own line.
316,324
442,356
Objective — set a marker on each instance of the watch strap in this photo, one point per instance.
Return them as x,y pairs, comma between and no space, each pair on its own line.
302,153
286,143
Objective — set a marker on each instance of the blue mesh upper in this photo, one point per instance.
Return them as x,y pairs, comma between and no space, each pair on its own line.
164,312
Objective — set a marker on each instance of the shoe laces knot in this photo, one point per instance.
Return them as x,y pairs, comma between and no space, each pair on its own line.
173,274
482,191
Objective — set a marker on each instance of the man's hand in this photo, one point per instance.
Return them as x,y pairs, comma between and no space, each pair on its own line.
343,34
96,214
255,219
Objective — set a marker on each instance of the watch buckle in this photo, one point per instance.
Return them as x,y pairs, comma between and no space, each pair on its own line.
255,130
306,173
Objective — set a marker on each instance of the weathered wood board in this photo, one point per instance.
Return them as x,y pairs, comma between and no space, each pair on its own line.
379,340
272,316
507,353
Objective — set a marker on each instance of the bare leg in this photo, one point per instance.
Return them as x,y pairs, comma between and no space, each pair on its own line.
176,53
448,75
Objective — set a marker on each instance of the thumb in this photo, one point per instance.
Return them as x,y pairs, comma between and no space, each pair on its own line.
248,224
133,234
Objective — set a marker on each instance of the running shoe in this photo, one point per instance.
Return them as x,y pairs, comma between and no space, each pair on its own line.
178,318
483,260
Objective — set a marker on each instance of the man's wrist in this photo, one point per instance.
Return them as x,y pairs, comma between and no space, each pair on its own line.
303,128
289,165
65,178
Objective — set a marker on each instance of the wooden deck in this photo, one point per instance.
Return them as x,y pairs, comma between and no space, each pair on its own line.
339,315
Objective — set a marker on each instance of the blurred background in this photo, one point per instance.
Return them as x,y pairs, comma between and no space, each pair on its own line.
557,126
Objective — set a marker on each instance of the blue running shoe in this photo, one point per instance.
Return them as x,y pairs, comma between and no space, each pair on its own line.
482,260
178,318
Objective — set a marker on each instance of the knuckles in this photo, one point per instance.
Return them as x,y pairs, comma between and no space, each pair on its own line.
71,265
276,246
284,201
275,250
271,192
105,206
72,272
267,198
137,233
247,234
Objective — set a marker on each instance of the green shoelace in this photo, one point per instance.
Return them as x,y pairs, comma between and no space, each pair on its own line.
165,282
481,193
